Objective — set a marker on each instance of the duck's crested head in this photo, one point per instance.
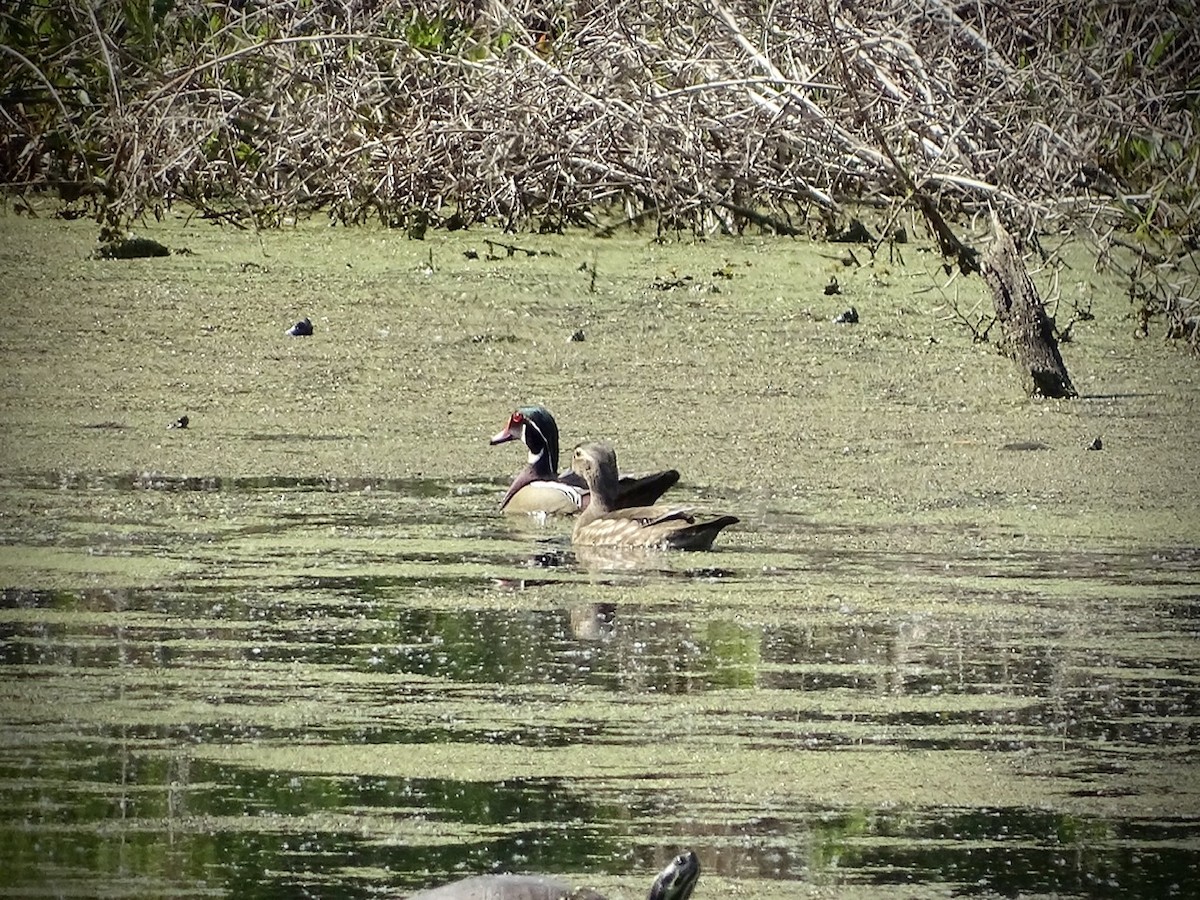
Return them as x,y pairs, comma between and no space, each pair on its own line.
596,462
536,428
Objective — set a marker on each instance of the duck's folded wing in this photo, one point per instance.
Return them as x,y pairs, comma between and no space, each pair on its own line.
656,515
526,496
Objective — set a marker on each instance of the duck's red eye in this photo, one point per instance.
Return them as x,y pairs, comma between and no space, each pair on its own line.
517,418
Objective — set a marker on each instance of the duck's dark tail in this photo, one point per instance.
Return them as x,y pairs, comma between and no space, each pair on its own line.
701,535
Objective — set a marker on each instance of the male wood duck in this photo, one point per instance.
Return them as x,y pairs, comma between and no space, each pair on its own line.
539,488
604,524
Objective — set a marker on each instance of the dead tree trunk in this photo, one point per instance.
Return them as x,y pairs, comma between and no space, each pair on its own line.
1028,332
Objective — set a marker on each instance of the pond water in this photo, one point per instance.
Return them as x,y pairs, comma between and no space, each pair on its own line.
294,650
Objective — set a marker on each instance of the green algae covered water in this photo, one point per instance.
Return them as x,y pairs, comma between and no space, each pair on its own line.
293,649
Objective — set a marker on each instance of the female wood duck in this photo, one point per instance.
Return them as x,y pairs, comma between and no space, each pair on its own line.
538,488
604,524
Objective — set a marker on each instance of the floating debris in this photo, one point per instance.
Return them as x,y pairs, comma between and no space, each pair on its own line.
670,284
132,248
855,233
551,559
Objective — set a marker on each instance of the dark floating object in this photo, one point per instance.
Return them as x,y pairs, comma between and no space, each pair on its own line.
1096,444
577,336
670,284
303,328
849,317
1025,445
551,559
832,288
132,248
856,233
181,422
488,338
418,224
675,882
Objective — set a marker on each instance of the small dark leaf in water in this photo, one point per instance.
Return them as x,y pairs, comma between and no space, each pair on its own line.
181,422
849,317
1096,444
303,328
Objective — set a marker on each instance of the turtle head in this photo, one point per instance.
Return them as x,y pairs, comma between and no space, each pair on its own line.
678,879
536,427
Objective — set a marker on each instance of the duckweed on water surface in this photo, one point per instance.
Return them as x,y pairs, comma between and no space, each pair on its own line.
293,647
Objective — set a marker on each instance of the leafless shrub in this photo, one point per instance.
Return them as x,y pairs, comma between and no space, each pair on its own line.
705,116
